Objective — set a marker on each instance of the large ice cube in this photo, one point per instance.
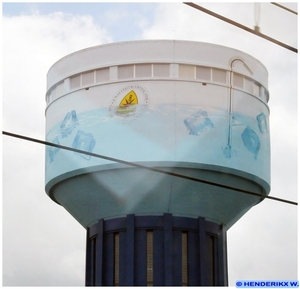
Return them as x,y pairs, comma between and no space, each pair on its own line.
52,151
262,123
68,124
251,141
198,122
84,141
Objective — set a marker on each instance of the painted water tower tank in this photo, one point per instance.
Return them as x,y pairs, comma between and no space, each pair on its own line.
195,111
192,108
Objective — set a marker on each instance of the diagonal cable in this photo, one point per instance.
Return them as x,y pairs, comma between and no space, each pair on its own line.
145,167
284,7
241,26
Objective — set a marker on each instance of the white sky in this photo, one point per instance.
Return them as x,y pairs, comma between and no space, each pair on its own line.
42,243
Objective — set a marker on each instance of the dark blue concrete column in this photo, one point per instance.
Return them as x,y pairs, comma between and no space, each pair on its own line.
130,244
206,251
108,260
89,269
140,260
158,258
99,254
168,242
204,270
222,250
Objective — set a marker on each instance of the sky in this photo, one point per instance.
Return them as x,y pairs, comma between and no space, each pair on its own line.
42,244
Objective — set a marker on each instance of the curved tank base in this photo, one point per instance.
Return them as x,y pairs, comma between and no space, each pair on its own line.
116,192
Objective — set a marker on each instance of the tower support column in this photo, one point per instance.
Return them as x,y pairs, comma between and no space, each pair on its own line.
156,250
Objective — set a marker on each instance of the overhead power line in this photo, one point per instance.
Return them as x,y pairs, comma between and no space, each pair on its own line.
146,167
285,8
256,32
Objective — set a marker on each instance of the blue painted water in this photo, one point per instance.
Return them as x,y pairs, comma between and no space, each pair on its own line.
167,132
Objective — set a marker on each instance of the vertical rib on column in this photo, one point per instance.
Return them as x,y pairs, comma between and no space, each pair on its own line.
168,249
193,259
158,258
108,260
140,258
123,259
203,257
214,257
222,249
177,257
89,261
130,251
99,254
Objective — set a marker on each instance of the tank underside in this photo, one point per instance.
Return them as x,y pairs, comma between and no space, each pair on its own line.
118,191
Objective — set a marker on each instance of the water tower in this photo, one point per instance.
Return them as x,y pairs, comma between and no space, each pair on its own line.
190,108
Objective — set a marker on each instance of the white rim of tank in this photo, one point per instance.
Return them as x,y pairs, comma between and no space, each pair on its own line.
263,94
212,62
151,41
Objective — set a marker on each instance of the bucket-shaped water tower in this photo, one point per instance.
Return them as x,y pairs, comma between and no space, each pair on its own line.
190,109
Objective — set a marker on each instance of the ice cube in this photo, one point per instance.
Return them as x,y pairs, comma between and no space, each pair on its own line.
227,151
262,123
52,151
251,141
198,122
68,124
84,141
